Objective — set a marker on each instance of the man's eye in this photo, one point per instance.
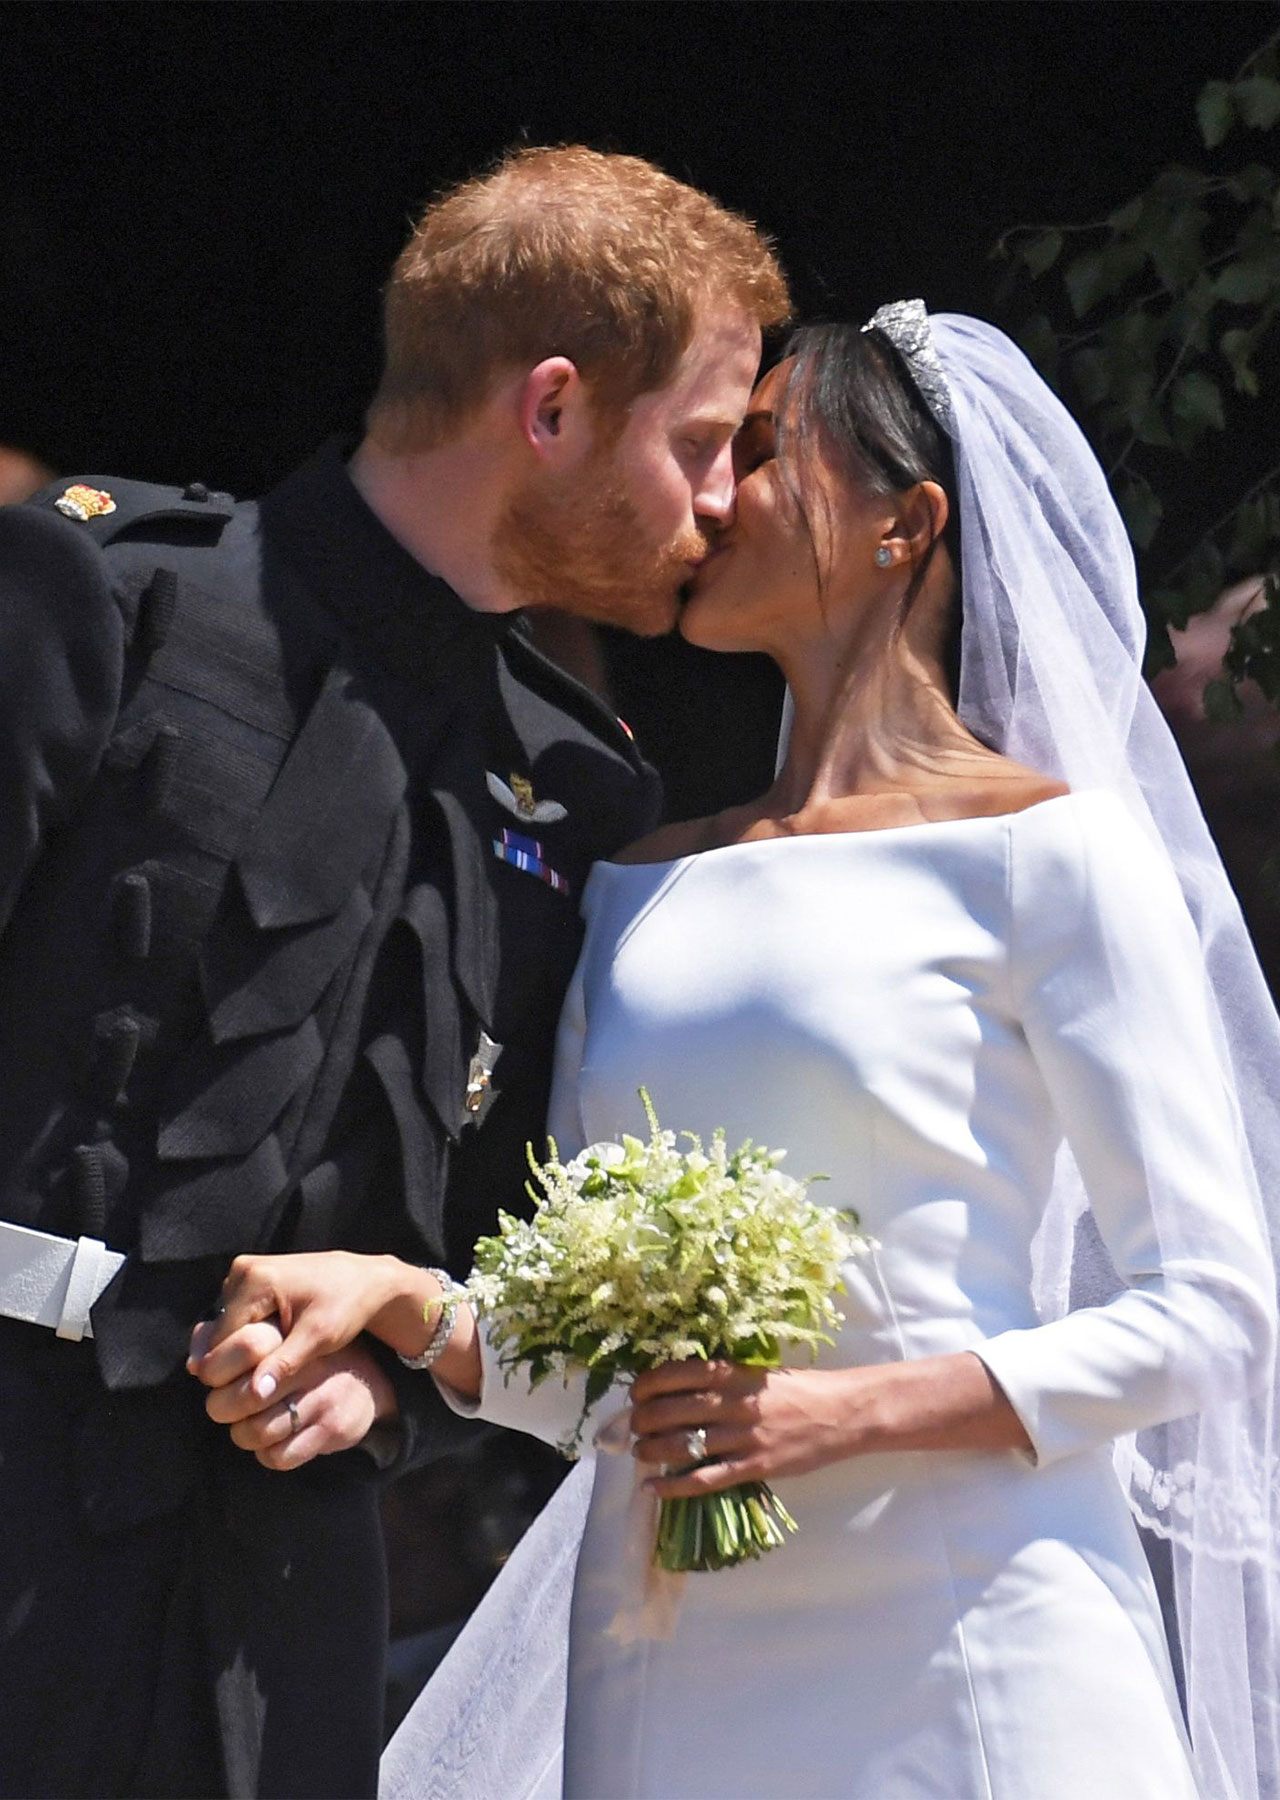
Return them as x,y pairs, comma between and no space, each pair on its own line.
751,449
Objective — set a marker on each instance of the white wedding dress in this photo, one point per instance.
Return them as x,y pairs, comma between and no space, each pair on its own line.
918,1014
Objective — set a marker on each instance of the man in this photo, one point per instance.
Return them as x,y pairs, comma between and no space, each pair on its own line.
293,818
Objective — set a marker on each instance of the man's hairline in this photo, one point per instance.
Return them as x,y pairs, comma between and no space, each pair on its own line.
722,301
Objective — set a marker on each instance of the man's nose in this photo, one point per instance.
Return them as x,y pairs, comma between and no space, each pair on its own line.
714,498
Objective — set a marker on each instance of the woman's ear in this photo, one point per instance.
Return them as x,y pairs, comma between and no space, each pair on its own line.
924,512
549,403
918,520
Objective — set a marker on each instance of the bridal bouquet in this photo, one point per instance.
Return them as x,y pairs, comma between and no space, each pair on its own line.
640,1253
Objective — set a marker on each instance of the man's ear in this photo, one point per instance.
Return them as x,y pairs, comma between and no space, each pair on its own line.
551,407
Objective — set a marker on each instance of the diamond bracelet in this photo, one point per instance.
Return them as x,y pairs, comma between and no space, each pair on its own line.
451,1296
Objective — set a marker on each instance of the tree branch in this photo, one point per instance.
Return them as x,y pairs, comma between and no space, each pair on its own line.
1256,56
1162,388
1263,481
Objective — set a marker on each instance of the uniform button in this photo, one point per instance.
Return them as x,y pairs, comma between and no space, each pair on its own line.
98,1174
118,1035
195,490
132,914
162,760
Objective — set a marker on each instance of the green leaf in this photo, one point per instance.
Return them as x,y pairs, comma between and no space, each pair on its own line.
1091,372
1040,342
1151,429
1177,254
1196,402
1170,604
1203,578
1178,183
1084,277
1041,252
1252,534
1141,508
1159,652
1215,113
1126,217
1237,347
599,1381
1257,100
1254,182
1221,703
1247,280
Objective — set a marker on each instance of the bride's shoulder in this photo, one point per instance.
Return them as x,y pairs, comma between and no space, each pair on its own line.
1007,787
686,837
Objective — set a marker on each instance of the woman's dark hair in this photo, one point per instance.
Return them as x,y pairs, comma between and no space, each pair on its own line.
848,399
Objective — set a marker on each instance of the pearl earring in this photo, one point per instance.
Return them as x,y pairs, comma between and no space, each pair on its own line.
884,556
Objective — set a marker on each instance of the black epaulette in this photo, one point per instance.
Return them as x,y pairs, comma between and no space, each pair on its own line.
109,507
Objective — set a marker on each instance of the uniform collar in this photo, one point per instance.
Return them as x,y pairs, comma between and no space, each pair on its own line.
409,619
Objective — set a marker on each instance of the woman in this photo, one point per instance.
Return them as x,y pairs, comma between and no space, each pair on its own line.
943,947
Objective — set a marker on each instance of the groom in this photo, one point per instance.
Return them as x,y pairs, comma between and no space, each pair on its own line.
293,821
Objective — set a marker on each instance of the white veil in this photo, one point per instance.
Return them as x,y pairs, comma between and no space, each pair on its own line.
1050,673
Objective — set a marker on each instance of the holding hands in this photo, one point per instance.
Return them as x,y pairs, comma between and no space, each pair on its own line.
281,1360
286,1374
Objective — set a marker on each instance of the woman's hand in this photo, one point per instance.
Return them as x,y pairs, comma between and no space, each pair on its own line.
320,1302
763,1423
759,1423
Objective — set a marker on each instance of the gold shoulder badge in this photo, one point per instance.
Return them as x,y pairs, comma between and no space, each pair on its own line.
84,503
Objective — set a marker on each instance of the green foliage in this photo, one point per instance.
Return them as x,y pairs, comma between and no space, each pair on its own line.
639,1253
1159,325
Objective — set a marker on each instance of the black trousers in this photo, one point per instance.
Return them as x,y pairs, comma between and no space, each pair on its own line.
232,1646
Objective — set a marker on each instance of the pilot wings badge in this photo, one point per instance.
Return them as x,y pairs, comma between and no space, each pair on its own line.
516,795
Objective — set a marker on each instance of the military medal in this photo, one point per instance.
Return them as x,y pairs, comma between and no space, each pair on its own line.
526,854
84,503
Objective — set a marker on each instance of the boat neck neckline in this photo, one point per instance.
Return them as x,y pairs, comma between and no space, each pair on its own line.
845,837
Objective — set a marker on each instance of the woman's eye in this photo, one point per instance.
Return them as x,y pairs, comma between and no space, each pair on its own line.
751,449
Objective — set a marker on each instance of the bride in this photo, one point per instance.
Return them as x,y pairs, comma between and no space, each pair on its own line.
973,958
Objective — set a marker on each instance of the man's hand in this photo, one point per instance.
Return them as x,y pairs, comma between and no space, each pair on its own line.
330,1405
320,1301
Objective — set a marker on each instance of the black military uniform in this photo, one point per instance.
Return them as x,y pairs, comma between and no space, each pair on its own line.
291,842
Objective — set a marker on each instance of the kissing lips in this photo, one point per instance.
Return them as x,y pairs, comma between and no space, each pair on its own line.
699,574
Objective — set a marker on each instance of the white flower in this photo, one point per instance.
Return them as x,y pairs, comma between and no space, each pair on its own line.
669,1254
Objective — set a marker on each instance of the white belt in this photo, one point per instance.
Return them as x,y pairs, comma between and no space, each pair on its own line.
53,1281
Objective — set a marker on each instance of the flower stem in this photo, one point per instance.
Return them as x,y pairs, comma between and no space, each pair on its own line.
715,1531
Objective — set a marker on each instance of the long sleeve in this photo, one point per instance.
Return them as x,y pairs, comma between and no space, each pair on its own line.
61,652
1107,983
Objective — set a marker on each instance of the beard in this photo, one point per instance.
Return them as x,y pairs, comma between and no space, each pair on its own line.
582,547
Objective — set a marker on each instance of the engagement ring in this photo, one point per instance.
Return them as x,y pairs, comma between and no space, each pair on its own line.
695,1443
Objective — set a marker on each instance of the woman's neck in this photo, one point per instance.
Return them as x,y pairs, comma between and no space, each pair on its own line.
875,718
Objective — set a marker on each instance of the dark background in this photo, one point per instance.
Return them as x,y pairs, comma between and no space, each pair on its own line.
202,200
